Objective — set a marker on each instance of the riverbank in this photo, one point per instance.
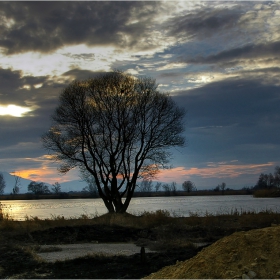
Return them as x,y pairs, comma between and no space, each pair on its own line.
172,239
79,195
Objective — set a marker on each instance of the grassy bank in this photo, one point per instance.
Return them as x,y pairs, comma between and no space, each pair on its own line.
173,237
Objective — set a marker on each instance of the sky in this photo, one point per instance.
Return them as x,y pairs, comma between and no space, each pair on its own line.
217,59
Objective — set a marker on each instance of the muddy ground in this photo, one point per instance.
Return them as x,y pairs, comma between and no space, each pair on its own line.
18,256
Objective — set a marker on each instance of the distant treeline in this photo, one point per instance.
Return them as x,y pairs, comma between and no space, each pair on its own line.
268,185
76,195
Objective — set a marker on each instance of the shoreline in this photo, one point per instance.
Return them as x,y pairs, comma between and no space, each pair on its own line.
79,195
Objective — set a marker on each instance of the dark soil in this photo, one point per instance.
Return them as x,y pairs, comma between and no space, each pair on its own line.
18,259
84,233
20,264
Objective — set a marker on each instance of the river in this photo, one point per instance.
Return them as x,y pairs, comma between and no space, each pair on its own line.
177,205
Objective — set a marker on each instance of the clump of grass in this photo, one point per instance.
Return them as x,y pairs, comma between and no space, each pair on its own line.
4,215
165,223
156,218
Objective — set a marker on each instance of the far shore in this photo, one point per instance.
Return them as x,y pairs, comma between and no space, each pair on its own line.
80,195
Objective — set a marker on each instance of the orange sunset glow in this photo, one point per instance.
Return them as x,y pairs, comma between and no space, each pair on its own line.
180,174
216,60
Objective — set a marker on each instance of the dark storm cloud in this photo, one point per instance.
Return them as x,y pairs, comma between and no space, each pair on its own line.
15,131
30,127
203,23
11,87
269,51
9,80
21,137
46,26
235,100
232,120
79,74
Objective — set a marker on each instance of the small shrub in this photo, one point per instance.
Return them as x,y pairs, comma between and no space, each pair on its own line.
267,193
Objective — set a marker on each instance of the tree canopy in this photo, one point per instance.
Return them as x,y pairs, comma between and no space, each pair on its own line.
188,186
117,128
38,188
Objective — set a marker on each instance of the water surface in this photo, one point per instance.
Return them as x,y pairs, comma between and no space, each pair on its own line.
181,206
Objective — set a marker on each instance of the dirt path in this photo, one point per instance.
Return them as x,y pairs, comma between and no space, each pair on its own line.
52,253
251,254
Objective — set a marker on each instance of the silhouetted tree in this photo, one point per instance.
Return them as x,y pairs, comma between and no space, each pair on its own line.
38,188
56,188
2,184
91,185
220,187
188,186
116,127
16,187
173,188
146,186
15,190
223,187
263,181
158,186
167,189
217,189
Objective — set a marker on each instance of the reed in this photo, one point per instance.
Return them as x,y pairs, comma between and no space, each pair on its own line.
145,220
274,192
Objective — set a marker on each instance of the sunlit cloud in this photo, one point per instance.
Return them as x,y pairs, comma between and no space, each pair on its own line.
213,170
14,110
184,45
65,58
41,169
169,66
42,175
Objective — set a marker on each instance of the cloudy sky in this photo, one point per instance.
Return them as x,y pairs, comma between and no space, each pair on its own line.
219,60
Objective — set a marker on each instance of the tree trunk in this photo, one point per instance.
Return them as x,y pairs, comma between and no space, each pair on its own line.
115,204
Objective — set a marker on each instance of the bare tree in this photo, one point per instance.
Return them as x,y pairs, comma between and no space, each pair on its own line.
16,187
167,188
15,190
158,186
116,127
217,189
2,184
188,186
56,188
173,188
146,186
38,188
91,185
223,187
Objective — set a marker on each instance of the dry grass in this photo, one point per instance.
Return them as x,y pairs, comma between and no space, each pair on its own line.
162,221
160,230
267,193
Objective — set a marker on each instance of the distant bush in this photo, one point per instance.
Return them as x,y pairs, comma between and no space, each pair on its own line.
274,192
38,188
